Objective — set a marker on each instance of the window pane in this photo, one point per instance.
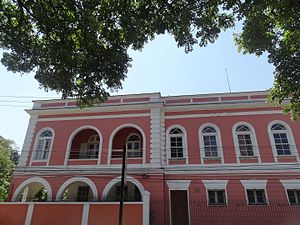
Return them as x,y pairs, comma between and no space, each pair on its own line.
260,196
251,198
211,197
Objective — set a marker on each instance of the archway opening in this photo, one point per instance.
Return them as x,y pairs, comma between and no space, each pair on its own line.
131,193
77,192
33,192
132,138
85,145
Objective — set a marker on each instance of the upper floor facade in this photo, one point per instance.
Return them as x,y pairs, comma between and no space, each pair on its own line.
161,132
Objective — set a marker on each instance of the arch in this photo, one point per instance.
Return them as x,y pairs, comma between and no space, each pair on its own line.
184,144
116,130
118,179
72,180
34,180
218,139
75,132
253,139
289,135
37,137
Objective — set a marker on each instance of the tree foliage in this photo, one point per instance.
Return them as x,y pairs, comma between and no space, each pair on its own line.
79,47
8,160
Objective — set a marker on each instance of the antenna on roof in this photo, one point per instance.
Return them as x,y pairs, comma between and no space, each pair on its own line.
227,77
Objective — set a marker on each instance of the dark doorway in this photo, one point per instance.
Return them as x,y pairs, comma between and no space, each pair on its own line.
179,207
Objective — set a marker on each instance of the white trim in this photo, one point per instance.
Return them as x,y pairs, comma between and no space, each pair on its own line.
290,137
252,133
254,185
215,184
85,214
110,184
116,130
37,138
24,157
218,139
291,183
94,117
224,114
178,184
72,136
184,143
77,179
29,214
34,180
146,207
157,137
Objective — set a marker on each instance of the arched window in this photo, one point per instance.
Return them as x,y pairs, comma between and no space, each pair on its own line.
43,145
176,143
281,140
210,143
134,146
244,140
209,135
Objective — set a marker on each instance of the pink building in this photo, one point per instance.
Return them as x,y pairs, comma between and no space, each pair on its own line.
194,159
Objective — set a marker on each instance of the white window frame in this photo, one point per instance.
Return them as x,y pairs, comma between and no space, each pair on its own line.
256,153
94,150
218,139
216,185
291,184
140,145
289,134
255,185
37,139
184,144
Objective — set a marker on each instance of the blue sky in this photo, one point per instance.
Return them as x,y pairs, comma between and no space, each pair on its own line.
160,67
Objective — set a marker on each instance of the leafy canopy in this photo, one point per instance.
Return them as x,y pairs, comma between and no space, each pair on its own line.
79,47
8,160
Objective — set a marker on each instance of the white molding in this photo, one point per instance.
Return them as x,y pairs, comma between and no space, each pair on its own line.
37,136
157,142
291,183
116,130
215,184
29,214
254,184
72,136
178,184
146,207
184,143
290,137
223,114
93,117
85,214
40,180
218,139
111,183
253,140
24,157
68,182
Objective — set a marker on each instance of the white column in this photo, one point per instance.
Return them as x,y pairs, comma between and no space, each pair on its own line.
146,207
157,136
28,140
85,214
29,214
